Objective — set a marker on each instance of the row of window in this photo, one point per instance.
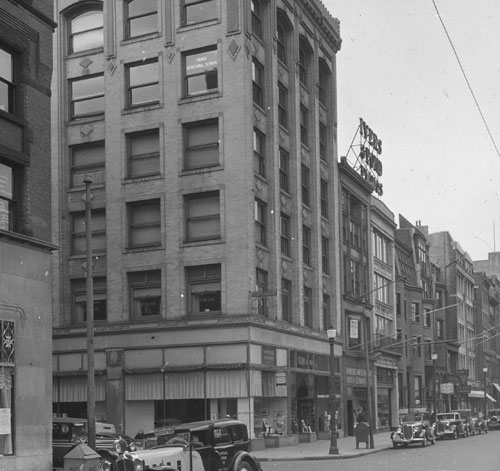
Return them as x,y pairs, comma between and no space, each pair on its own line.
140,17
202,222
203,288
203,295
142,79
284,39
200,143
261,227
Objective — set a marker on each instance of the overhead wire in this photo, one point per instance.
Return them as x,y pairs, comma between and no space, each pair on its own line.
466,79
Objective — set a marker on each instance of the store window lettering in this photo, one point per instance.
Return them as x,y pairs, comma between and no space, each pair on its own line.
201,63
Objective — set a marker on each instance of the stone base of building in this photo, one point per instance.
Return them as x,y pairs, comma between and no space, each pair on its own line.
278,441
308,437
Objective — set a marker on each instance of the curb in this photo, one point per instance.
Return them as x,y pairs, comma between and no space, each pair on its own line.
325,457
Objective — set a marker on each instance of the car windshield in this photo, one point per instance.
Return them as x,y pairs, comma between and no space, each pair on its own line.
446,416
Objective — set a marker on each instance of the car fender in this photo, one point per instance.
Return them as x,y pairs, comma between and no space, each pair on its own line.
243,455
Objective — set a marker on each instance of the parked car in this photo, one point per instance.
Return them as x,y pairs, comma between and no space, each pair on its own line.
68,432
480,424
468,420
213,445
419,430
493,419
450,425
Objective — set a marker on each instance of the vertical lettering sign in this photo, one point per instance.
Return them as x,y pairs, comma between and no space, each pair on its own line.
353,329
369,154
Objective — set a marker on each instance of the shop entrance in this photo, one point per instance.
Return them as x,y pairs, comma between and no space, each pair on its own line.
306,413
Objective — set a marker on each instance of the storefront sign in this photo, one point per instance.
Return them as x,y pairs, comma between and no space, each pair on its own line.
447,388
280,379
5,428
356,376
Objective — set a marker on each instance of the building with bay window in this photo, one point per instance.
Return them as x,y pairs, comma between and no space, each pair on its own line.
209,131
26,30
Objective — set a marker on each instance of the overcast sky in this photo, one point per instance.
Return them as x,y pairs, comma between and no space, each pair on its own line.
397,70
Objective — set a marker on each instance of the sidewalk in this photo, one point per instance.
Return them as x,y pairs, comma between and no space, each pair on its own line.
319,450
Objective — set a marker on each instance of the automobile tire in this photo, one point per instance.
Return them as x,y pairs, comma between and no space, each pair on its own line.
394,445
424,442
244,465
105,465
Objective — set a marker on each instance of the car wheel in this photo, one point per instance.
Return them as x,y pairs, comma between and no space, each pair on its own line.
394,445
105,465
244,465
455,435
424,442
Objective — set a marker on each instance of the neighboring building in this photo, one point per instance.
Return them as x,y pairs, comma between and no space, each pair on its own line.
209,130
442,343
357,310
387,351
420,320
26,30
486,342
457,273
490,267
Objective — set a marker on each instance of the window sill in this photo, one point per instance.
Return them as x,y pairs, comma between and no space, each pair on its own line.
195,171
143,249
137,109
201,97
138,39
81,189
145,178
87,52
201,24
79,120
197,243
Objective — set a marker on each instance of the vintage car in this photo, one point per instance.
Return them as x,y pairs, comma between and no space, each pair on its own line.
419,430
211,445
474,423
450,425
493,419
68,432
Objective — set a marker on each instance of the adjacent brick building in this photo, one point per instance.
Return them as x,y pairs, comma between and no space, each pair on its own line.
26,29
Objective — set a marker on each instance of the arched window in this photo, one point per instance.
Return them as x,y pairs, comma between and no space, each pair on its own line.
305,56
323,82
86,31
283,29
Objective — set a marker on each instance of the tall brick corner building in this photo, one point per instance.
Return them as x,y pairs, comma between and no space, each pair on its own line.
209,131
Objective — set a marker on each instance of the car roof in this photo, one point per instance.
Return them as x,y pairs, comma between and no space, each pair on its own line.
204,424
69,420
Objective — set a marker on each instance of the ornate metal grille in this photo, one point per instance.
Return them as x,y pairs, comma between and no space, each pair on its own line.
7,342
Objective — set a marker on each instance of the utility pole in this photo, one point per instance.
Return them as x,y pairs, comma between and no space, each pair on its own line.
90,315
371,417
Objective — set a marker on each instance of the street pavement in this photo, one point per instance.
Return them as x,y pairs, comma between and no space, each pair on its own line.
319,450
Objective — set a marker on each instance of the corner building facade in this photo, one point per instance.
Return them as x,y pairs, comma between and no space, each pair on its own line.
209,131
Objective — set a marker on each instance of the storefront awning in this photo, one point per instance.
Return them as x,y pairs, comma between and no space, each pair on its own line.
478,394
497,386
490,398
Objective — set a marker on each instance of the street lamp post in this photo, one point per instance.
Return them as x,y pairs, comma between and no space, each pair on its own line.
334,449
485,370
434,357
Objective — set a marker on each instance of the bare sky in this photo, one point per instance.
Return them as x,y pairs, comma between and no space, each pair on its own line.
397,70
